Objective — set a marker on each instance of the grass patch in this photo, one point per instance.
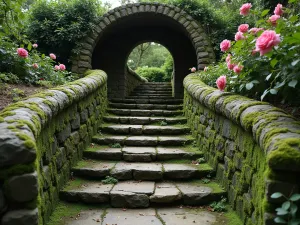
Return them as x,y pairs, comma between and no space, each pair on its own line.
73,184
232,218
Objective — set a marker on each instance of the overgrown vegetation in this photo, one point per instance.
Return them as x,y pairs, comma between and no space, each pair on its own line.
219,206
109,180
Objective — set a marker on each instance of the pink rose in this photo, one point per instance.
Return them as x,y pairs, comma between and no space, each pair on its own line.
35,65
205,68
228,58
237,69
35,45
230,66
243,28
22,52
278,10
221,83
62,67
239,36
254,30
56,67
267,40
245,9
52,56
193,70
225,45
273,19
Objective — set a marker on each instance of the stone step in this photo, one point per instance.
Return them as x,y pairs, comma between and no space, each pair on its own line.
146,112
144,106
146,89
142,154
147,101
144,129
141,170
143,140
148,216
144,120
149,97
141,194
151,94
143,91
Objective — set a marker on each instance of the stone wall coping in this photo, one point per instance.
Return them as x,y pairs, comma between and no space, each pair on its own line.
134,74
22,122
275,131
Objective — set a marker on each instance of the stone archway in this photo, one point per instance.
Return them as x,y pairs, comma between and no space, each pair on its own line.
122,28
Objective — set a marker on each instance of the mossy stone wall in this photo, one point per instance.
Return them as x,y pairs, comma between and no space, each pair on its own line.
253,146
41,138
132,81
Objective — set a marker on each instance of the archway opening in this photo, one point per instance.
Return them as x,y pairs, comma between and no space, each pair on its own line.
152,61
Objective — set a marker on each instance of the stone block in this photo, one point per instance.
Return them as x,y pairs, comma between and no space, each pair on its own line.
75,123
23,188
20,217
64,134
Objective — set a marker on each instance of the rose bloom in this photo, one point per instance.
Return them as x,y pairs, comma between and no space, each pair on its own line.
278,10
56,67
237,69
205,68
243,28
267,40
230,66
22,52
35,45
62,67
228,58
193,70
52,56
245,9
273,19
239,36
254,30
221,83
225,45
35,65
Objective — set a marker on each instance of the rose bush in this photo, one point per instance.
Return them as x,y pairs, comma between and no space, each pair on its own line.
264,62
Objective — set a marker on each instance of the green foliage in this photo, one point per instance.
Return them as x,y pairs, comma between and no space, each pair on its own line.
168,66
109,180
201,160
116,145
58,25
17,94
287,213
219,206
272,76
163,123
205,180
153,74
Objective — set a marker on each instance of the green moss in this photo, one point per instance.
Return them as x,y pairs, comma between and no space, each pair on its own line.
232,218
1,119
17,170
64,90
30,144
5,113
287,154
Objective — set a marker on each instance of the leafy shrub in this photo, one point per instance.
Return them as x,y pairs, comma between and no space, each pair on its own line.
109,180
116,145
168,66
272,74
219,206
59,25
153,74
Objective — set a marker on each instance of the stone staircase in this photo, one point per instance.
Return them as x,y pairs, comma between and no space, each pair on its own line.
146,145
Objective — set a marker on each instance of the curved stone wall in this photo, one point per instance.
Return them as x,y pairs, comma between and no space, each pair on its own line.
253,146
132,81
40,139
122,28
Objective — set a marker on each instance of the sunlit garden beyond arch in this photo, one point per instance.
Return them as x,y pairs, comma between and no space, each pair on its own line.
158,112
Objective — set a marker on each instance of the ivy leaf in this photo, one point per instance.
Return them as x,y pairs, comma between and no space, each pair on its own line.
265,12
294,18
29,46
261,98
294,63
295,197
286,205
255,82
291,1
293,83
294,209
269,76
279,220
273,91
276,194
281,211
249,86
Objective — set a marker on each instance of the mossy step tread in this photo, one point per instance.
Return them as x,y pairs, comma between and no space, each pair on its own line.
141,171
144,129
144,106
150,91
145,112
140,194
178,140
138,120
142,154
76,214
146,101
149,97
